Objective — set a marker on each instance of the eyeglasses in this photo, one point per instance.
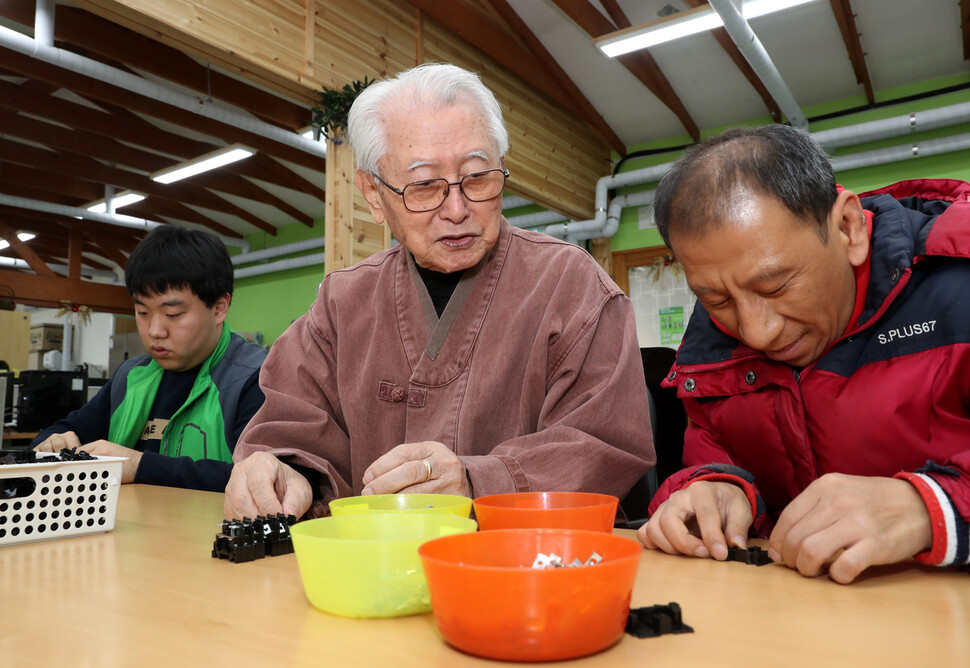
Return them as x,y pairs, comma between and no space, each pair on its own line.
428,195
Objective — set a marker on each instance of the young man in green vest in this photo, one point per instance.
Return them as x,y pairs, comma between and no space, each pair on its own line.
176,412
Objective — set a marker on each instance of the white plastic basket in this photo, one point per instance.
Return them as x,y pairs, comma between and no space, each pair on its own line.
56,499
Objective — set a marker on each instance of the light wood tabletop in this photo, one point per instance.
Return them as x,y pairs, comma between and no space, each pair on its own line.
149,594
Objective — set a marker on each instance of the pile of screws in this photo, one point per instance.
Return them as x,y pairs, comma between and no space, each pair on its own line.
553,560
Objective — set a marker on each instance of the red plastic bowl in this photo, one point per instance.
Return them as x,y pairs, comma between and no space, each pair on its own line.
489,601
547,510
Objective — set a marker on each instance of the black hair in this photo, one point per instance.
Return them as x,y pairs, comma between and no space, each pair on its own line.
775,160
175,258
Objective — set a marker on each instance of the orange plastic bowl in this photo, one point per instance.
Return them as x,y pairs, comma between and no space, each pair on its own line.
547,510
489,601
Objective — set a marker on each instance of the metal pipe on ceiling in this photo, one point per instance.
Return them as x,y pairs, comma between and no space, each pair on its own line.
75,212
44,22
514,201
757,56
110,219
277,251
920,149
280,265
895,126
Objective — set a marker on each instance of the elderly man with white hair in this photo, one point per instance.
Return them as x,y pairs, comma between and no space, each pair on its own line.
474,358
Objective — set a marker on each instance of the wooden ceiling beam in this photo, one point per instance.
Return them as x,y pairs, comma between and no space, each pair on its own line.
80,141
127,128
640,63
40,179
158,209
74,243
52,290
8,187
108,150
24,251
56,249
257,166
476,28
41,222
617,15
91,249
74,164
100,90
34,87
265,168
164,211
734,53
587,110
234,184
109,251
110,40
845,17
117,123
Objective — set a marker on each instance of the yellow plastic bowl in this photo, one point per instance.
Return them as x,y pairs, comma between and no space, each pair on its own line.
445,504
367,565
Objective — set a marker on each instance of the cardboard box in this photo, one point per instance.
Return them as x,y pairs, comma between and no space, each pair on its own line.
14,338
46,337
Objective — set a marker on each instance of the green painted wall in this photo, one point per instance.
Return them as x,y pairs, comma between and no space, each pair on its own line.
269,303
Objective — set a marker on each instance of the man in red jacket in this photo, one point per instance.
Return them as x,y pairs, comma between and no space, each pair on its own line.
826,367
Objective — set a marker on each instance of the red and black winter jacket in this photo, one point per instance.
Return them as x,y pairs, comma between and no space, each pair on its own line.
889,398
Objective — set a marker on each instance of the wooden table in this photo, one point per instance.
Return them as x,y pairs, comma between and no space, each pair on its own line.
149,594
18,439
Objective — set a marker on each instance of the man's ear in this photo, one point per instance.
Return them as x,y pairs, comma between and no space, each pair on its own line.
221,308
849,222
365,183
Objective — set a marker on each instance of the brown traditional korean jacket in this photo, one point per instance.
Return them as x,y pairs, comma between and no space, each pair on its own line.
532,375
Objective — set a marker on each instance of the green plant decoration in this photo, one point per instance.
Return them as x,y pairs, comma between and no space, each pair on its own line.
330,115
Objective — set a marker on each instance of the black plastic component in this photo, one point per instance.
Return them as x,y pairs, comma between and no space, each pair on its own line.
75,455
656,620
753,556
247,539
30,456
11,457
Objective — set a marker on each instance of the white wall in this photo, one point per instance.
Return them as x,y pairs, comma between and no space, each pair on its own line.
90,341
649,296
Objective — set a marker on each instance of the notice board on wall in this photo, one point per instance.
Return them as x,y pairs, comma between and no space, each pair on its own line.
671,324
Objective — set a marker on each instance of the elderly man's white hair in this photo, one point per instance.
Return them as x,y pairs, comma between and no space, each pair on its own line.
437,85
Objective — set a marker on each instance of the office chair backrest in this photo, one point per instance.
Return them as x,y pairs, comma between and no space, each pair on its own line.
669,409
669,420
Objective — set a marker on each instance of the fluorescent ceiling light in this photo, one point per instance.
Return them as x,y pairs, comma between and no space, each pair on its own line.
119,200
23,236
682,24
204,163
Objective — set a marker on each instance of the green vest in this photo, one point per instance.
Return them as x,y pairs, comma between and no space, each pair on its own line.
196,430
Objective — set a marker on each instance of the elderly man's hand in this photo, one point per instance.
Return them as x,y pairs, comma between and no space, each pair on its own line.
263,485
700,521
403,469
851,523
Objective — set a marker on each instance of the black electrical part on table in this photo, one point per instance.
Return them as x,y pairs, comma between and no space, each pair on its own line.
656,620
